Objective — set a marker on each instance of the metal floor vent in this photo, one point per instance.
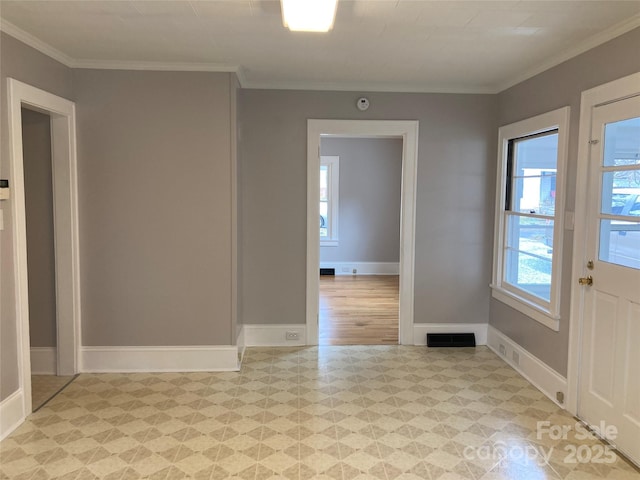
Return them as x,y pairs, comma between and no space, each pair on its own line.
451,340
327,271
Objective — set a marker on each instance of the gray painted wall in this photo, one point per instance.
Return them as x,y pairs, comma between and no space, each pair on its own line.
155,186
236,300
555,88
41,259
30,66
369,199
454,223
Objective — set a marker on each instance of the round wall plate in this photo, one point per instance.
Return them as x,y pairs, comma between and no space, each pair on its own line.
362,103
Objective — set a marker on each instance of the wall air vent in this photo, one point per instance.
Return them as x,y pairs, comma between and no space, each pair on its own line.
451,340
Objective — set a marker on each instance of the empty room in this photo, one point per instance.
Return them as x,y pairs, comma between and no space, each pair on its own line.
346,239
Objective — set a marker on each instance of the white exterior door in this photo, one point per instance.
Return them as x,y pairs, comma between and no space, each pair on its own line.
609,384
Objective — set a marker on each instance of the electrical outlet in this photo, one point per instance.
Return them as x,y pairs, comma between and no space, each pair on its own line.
292,335
503,349
355,270
515,356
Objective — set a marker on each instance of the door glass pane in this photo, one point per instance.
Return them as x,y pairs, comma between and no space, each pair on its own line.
529,254
621,193
622,143
620,243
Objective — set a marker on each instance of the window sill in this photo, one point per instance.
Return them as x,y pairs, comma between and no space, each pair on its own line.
526,307
328,243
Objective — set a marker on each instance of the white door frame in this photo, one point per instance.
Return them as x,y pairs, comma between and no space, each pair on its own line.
65,209
408,130
603,94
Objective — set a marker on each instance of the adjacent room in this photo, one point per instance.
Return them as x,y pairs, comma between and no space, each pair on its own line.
227,233
360,181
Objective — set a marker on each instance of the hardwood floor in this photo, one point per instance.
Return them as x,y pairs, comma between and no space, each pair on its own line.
358,310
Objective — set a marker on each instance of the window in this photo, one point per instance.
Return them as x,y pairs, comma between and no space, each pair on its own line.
329,190
529,215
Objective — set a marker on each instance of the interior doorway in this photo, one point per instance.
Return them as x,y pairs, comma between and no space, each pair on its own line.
360,180
408,132
41,260
58,116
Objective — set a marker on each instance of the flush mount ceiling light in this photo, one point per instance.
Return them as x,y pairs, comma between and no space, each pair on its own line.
308,15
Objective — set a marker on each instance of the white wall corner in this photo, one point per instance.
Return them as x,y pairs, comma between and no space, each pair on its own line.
363,268
538,373
215,358
420,331
274,335
11,413
44,361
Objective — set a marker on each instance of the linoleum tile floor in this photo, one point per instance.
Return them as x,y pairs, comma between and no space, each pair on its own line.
44,387
357,412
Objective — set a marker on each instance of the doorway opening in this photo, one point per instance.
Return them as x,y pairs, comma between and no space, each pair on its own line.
41,260
45,268
407,131
360,180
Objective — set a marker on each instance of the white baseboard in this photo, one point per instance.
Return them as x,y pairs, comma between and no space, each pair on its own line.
216,358
538,373
273,335
11,413
363,268
44,361
420,331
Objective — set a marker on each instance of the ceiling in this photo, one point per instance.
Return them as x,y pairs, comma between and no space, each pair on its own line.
386,45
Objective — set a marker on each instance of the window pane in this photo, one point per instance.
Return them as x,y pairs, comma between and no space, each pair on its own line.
535,192
622,143
529,253
531,234
620,243
621,193
534,174
324,219
324,183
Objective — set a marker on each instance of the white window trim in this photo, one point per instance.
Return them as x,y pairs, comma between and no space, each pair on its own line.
546,313
333,162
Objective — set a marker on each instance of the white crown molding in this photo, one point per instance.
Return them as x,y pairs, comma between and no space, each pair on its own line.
34,42
591,42
155,66
54,53
368,87
242,78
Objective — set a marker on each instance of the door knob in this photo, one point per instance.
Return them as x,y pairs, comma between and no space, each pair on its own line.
586,280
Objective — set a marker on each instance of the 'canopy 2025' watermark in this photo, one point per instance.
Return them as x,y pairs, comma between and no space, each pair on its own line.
582,451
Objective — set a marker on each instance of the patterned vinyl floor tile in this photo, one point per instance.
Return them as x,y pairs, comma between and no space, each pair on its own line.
374,412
